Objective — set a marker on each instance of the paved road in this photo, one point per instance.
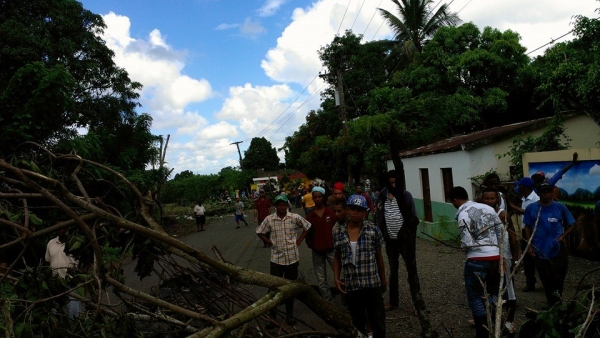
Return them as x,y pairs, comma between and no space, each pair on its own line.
242,247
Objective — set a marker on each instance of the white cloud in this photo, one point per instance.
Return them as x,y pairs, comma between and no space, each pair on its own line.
252,28
225,26
270,7
157,66
219,130
595,170
295,58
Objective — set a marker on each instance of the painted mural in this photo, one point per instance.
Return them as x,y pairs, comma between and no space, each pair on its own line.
580,185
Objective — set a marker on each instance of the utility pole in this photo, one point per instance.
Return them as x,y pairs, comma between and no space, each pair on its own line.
237,144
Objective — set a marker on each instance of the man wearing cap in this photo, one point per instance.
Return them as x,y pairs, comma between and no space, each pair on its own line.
371,206
545,221
526,189
390,220
358,245
283,226
481,231
262,208
320,240
337,192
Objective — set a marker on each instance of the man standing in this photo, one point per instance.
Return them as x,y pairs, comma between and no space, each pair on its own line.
320,240
307,202
262,208
548,219
283,226
481,232
199,214
358,253
526,186
390,220
239,212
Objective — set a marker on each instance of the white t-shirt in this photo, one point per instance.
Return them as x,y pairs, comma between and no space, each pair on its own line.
199,210
59,260
532,198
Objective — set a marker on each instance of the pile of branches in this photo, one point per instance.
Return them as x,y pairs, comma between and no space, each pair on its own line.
109,221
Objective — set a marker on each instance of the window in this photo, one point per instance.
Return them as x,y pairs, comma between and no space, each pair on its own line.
447,181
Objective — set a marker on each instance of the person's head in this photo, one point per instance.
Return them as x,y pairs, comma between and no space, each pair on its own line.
237,199
546,192
356,207
391,178
339,208
318,196
458,196
538,178
490,197
492,180
526,185
198,202
261,192
281,205
338,190
359,189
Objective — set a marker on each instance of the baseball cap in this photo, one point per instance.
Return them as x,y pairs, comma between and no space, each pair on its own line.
357,201
526,182
281,198
545,187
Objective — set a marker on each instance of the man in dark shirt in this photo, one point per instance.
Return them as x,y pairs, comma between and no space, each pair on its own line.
262,209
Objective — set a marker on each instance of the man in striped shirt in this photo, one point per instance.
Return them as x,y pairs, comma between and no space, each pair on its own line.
390,221
283,226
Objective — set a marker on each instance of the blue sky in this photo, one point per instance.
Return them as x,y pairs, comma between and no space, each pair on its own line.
215,71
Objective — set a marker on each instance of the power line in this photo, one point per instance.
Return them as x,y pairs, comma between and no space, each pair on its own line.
372,16
357,14
551,42
463,7
343,17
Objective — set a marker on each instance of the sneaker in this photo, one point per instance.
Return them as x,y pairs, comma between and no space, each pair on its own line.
511,327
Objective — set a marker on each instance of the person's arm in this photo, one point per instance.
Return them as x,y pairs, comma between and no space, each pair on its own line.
567,218
381,269
512,235
517,209
527,236
301,238
337,270
555,178
265,238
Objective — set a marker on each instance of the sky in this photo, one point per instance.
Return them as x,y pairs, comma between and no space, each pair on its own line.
221,71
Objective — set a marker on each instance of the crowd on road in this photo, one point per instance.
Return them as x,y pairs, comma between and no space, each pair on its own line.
347,236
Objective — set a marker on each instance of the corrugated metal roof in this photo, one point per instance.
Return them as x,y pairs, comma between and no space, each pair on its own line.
472,140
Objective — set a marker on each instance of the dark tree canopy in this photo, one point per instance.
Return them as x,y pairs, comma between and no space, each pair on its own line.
58,75
260,155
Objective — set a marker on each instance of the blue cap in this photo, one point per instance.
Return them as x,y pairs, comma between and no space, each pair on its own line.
526,182
357,201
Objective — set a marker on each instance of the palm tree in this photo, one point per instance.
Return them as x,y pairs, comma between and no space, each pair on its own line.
416,23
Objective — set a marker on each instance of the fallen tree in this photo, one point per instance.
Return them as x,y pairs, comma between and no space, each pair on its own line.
110,220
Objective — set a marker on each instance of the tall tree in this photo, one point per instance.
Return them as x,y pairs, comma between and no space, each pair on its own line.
261,155
416,23
58,76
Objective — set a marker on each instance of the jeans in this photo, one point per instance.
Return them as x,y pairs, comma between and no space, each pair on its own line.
370,301
487,271
392,250
320,267
553,272
289,272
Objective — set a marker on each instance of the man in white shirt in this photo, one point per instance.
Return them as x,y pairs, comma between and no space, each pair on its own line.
60,263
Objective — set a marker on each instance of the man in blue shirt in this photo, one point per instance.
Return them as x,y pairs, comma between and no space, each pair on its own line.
545,221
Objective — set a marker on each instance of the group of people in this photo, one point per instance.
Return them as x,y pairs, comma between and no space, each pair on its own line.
342,239
490,240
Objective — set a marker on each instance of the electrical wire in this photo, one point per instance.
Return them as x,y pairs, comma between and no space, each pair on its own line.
357,14
551,42
372,16
343,17
463,7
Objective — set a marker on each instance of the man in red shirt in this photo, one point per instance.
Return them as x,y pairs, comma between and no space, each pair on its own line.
320,240
262,209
